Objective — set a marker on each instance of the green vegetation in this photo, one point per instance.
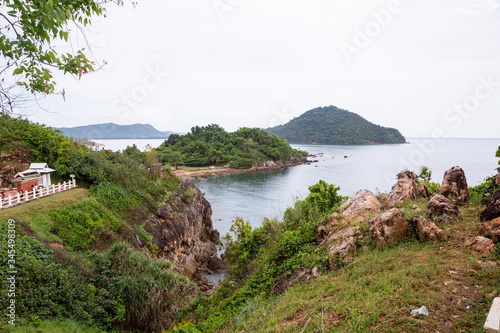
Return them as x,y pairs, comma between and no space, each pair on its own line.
211,145
424,177
74,251
30,30
331,125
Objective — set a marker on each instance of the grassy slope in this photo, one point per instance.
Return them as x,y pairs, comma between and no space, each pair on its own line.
45,204
379,288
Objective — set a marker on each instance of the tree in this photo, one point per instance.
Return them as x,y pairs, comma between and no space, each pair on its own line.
175,158
29,30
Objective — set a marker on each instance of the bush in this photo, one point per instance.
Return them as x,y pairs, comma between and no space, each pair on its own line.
49,290
151,293
82,223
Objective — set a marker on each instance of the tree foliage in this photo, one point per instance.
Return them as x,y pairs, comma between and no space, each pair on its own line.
331,125
29,33
212,145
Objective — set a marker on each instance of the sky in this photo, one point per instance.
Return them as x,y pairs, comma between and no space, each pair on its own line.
427,68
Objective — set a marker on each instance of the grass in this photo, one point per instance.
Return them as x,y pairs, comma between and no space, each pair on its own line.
42,205
52,326
376,293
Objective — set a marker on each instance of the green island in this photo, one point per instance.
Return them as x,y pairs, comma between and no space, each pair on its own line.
86,261
331,125
212,145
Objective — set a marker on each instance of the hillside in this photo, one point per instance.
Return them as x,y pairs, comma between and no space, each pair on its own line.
93,259
114,131
331,125
361,265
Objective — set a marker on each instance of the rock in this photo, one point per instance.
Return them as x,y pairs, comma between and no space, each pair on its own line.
343,242
404,189
444,219
482,245
496,181
301,276
454,186
182,229
486,264
359,205
492,210
439,205
428,231
215,263
423,191
491,230
389,227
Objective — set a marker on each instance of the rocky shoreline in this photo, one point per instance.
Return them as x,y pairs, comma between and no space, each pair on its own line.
269,165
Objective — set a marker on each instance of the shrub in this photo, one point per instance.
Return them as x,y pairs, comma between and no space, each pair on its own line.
82,223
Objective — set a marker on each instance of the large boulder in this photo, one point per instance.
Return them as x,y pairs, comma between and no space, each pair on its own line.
423,191
404,189
454,186
491,230
389,227
492,210
482,245
427,230
440,205
182,229
357,206
343,242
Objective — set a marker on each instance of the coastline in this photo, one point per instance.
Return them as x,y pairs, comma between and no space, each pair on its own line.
270,165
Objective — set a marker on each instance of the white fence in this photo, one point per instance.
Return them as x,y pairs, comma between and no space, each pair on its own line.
19,198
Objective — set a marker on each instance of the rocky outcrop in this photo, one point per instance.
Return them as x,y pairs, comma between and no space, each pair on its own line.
342,242
496,181
300,276
389,227
182,229
359,205
423,191
404,189
492,210
491,230
440,205
482,245
428,231
454,186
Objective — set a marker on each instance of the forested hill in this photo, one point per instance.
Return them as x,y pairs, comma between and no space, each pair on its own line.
331,125
114,131
212,145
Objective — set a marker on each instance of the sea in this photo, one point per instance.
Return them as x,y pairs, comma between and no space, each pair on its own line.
256,195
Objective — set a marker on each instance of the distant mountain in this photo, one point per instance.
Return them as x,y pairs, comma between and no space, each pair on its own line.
114,131
331,125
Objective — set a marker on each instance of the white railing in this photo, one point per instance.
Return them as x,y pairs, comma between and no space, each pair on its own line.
40,192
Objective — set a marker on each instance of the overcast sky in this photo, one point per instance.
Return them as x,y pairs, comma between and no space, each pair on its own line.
424,67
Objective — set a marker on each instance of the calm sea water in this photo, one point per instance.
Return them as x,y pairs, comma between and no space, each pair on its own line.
256,195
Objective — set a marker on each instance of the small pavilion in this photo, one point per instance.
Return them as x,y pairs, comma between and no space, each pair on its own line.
38,174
